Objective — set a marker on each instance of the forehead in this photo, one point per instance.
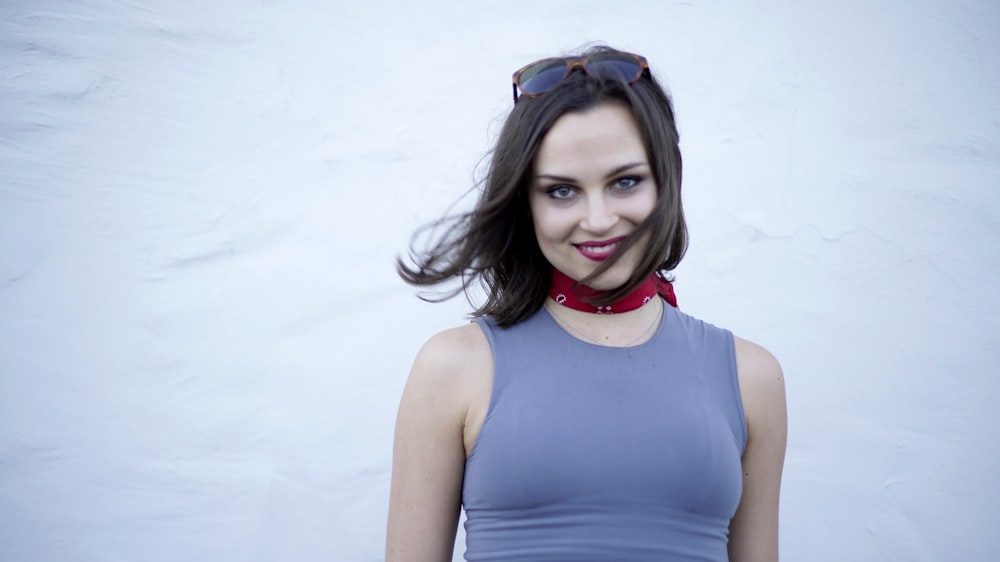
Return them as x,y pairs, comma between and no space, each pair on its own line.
600,137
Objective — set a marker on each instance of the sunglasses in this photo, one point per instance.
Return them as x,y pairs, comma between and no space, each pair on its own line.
540,76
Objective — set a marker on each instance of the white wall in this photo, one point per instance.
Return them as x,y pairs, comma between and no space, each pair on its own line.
202,342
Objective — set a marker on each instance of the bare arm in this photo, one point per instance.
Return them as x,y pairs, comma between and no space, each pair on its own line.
428,460
753,532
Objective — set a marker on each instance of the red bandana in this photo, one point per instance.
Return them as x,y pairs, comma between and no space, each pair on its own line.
568,293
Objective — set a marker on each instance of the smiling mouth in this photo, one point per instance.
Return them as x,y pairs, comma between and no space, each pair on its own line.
598,251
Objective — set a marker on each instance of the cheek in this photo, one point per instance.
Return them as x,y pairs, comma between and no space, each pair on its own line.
539,217
551,225
643,207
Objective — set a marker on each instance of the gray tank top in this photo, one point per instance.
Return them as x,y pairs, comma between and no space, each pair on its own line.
602,453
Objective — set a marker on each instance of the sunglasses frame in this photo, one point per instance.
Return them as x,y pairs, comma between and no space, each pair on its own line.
572,63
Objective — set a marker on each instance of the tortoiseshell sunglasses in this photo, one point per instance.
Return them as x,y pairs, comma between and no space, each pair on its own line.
540,76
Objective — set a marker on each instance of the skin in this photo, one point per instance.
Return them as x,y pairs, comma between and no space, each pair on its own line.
592,183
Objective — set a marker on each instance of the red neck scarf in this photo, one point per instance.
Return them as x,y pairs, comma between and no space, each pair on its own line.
569,293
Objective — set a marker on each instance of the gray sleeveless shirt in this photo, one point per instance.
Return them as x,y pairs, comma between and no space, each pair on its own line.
602,453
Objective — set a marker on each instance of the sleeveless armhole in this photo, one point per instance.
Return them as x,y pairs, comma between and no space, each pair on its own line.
736,395
488,327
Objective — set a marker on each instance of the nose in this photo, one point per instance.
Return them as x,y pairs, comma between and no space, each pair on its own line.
601,215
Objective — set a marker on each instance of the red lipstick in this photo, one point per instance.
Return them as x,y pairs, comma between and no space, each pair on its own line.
598,250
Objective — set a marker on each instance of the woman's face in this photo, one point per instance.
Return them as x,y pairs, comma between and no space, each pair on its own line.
591,185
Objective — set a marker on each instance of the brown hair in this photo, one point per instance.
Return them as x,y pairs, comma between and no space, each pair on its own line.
495,242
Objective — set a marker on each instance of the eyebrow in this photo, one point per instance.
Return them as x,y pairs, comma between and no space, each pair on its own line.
615,172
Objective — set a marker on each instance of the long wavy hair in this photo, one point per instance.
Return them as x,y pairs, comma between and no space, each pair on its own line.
495,244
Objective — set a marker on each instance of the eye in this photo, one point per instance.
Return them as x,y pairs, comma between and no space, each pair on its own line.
626,183
560,192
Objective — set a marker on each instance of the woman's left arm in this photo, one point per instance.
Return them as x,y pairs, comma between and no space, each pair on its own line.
753,532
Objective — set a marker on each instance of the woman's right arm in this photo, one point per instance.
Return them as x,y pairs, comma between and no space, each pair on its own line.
428,459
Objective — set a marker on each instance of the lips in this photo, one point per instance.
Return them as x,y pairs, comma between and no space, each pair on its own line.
598,250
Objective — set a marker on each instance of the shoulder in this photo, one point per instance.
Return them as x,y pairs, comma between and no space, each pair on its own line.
452,350
455,360
695,327
762,385
755,362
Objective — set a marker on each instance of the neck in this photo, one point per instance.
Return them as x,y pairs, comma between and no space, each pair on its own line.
629,321
571,294
623,329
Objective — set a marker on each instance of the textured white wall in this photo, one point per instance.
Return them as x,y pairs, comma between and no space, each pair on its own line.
202,342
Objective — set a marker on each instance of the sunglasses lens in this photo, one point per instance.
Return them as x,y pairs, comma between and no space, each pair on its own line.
615,66
541,76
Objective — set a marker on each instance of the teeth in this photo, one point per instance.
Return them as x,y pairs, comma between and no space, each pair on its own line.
601,249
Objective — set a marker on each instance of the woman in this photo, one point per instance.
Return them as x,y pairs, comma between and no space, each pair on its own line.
582,416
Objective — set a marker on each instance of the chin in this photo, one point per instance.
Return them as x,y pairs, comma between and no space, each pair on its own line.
609,280
578,268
